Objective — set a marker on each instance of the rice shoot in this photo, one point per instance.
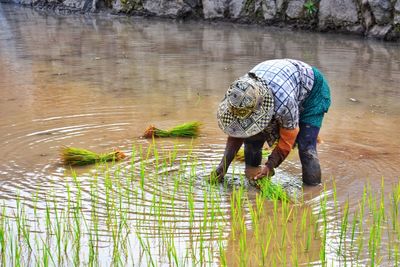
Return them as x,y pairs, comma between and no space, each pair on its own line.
79,157
188,129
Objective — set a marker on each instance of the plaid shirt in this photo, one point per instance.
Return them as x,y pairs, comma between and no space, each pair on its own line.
290,82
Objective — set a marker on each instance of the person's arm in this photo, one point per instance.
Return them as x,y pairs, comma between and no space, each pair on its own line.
233,145
287,139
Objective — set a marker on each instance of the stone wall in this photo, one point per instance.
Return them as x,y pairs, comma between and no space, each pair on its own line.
372,18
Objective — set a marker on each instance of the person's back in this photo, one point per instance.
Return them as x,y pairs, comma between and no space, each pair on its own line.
290,81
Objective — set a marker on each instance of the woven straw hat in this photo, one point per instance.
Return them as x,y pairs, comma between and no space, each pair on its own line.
247,107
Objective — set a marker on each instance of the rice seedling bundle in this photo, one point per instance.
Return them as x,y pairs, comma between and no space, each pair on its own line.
188,129
270,190
79,157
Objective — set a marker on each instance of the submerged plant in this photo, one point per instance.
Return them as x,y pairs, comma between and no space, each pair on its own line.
188,129
79,156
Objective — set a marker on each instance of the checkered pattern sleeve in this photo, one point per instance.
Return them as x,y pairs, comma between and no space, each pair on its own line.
285,81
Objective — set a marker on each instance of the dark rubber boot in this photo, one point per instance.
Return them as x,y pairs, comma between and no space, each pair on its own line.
307,143
310,167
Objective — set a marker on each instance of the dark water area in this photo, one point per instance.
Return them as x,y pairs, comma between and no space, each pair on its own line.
98,81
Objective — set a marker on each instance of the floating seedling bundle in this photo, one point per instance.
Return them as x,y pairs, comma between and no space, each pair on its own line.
189,129
79,157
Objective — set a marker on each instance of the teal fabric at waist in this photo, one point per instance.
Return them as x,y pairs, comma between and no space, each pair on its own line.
317,102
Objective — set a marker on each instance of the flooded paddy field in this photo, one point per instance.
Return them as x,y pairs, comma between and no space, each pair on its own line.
97,82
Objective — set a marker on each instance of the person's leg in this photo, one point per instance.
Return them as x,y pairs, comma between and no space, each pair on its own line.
307,145
253,152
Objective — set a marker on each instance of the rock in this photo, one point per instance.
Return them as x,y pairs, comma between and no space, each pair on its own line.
78,4
272,9
118,6
214,8
382,11
19,2
235,8
337,13
126,6
170,8
279,5
251,10
295,9
380,32
358,29
269,9
396,18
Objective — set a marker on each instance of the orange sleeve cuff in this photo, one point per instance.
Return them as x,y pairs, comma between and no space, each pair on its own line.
285,144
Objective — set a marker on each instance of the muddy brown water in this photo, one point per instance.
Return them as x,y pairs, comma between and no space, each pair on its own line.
98,81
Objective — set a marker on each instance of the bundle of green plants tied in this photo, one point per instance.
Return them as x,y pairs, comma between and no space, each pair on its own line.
270,190
78,156
189,129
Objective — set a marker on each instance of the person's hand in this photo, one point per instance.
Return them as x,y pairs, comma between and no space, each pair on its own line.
264,172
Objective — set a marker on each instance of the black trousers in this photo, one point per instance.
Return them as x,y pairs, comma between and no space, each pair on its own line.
307,145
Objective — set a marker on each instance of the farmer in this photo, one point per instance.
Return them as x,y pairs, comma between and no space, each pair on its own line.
281,100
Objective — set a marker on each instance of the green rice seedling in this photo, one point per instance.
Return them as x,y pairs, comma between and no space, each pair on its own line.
308,240
22,225
303,225
396,255
270,190
353,230
190,198
3,235
335,202
343,227
221,248
79,157
324,201
395,197
237,197
243,243
265,243
17,252
294,256
189,129
146,247
254,218
172,254
375,231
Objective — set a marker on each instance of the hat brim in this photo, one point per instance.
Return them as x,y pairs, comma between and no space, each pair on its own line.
255,123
